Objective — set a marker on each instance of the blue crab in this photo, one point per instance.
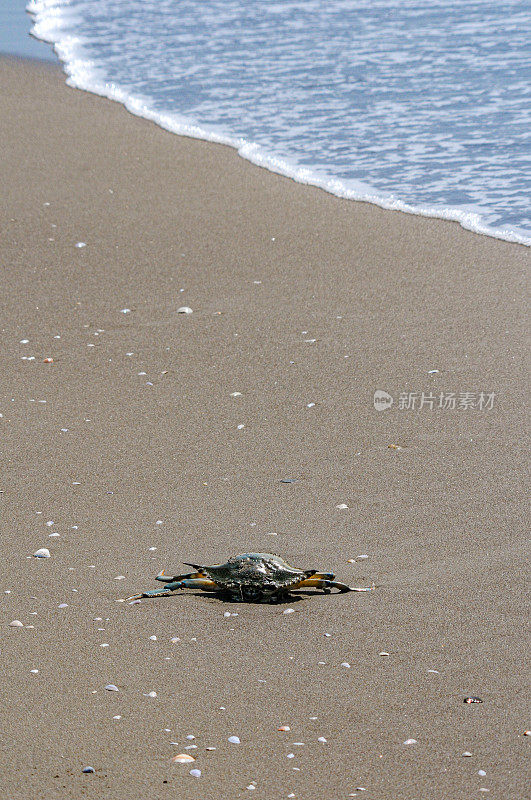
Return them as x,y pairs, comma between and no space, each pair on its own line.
251,577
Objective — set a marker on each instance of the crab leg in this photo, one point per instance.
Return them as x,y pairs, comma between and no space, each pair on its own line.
170,588
167,578
327,585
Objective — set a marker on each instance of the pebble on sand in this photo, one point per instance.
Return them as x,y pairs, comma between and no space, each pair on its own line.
88,769
16,624
42,552
184,310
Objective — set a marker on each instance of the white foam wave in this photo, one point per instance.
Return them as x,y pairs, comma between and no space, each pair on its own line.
53,23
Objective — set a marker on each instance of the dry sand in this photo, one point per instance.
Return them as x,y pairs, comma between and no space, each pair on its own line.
267,266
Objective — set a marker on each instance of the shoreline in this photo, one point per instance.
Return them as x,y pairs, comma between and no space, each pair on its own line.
78,75
298,298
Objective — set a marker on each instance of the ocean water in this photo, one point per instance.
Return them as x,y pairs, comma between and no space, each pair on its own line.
417,105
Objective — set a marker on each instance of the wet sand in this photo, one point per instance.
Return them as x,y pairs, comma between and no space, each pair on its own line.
129,441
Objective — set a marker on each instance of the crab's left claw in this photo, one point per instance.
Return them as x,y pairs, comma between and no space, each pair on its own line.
362,588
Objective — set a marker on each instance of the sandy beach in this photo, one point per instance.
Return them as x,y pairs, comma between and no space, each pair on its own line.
126,455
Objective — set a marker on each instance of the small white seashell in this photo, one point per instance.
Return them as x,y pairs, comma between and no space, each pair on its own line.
363,556
190,737
236,394
117,717
175,640
410,741
34,671
153,638
104,645
383,653
345,664
182,758
184,310
125,311
53,535
342,506
150,694
120,578
466,754
49,523
81,244
482,772
434,671
210,748
289,611
250,787
16,624
321,739
41,553
88,769
196,773
62,605
290,755
241,427
234,740
111,687
310,405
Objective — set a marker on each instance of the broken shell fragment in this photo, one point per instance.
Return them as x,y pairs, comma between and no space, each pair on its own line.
284,728
48,360
184,310
43,552
16,624
88,769
182,758
470,700
234,740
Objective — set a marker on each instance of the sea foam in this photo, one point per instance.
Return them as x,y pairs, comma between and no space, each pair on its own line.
420,107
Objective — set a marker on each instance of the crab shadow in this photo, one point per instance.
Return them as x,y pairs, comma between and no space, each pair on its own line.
284,600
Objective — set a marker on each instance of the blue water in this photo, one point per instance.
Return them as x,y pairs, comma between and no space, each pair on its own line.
418,105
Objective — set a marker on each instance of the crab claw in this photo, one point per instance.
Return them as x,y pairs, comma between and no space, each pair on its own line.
362,588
